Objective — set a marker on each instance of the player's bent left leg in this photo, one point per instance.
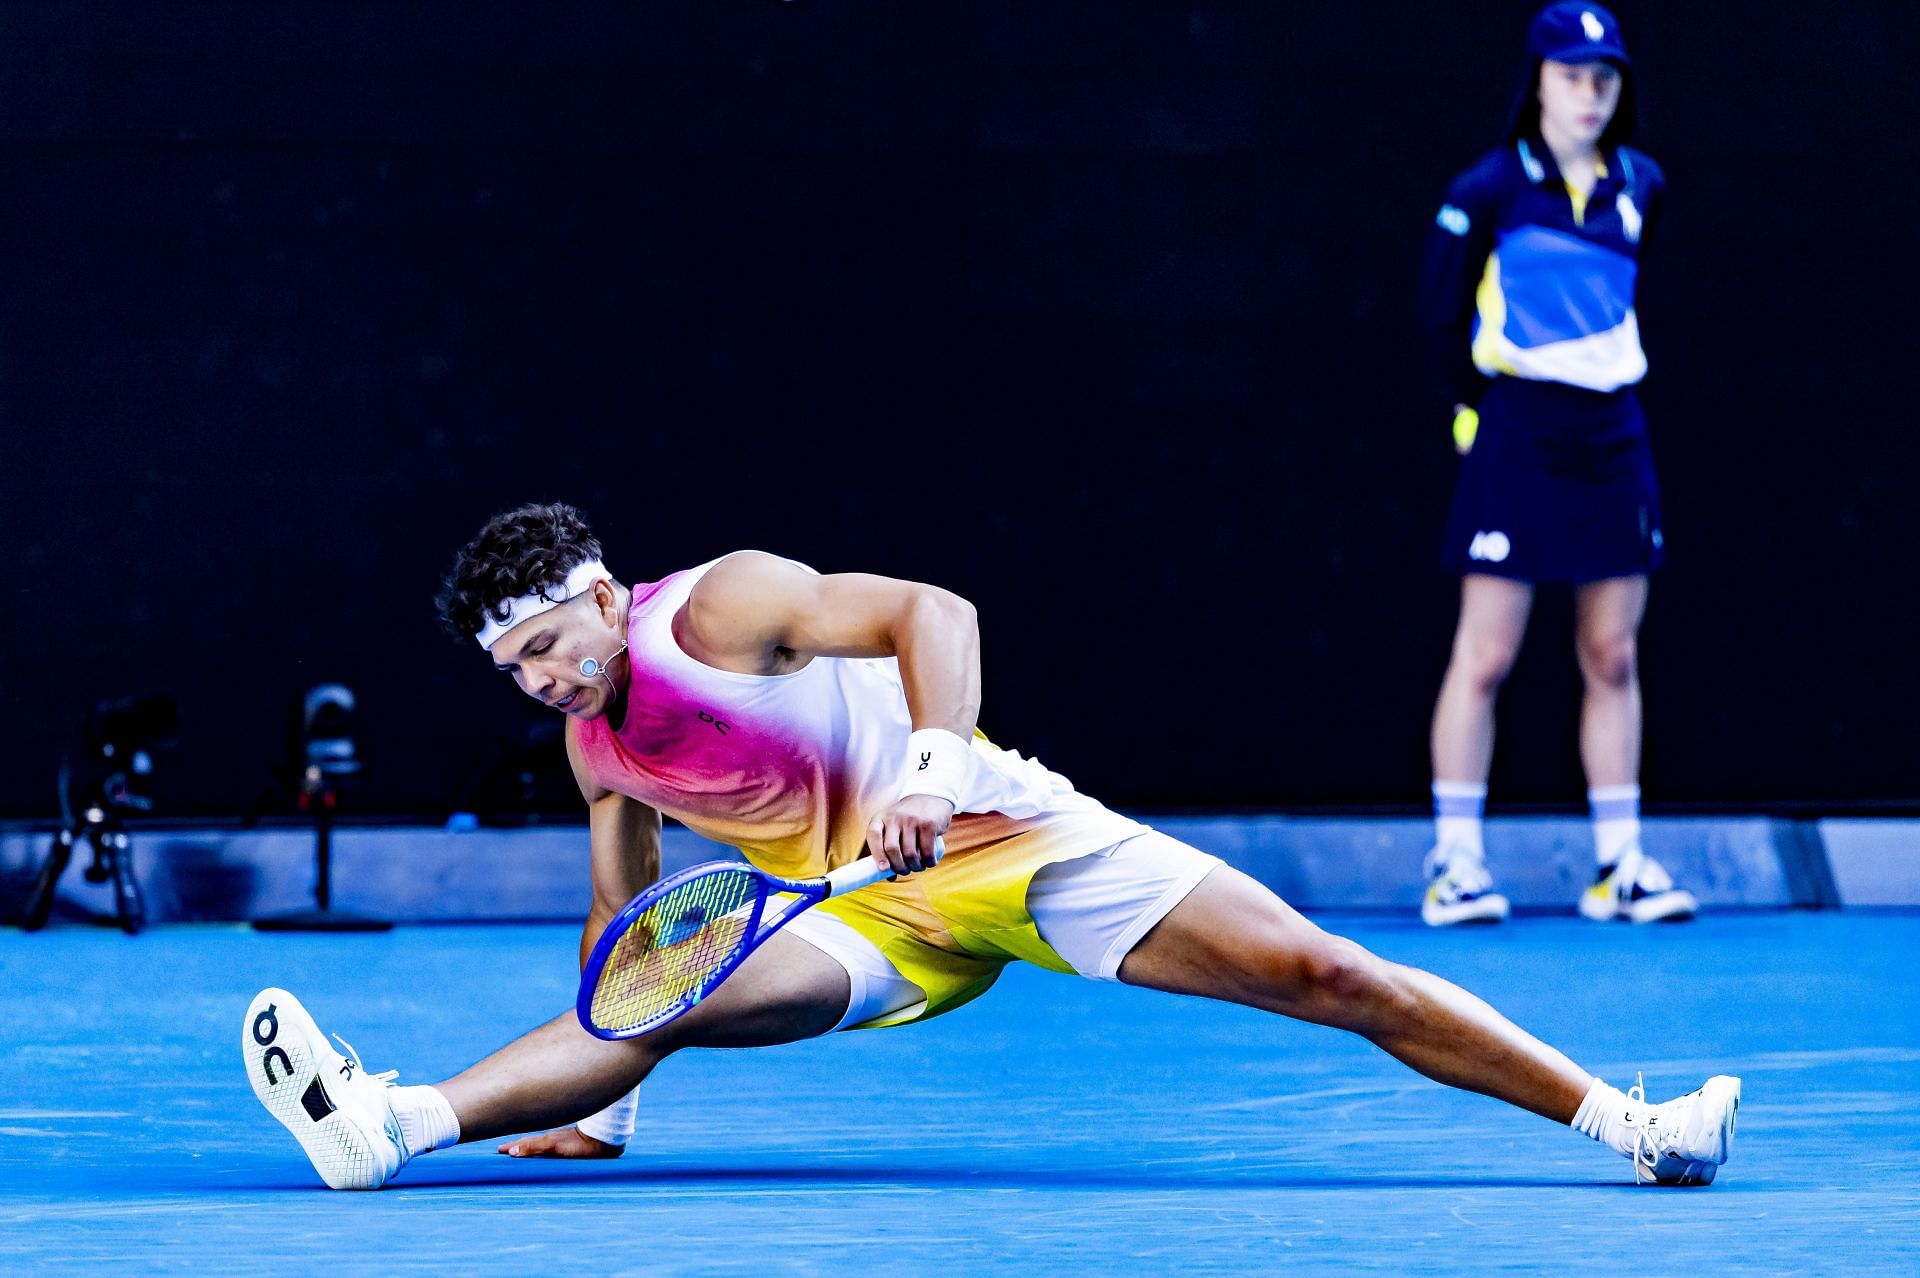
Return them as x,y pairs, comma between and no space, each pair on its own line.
1232,939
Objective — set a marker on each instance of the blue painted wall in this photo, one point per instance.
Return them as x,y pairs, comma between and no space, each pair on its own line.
1098,314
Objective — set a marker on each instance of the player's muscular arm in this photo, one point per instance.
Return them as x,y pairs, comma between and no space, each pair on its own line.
759,614
623,837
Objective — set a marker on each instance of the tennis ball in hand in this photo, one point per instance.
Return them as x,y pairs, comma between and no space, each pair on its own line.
1466,424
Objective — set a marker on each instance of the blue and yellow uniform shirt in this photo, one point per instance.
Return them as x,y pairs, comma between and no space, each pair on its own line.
1525,278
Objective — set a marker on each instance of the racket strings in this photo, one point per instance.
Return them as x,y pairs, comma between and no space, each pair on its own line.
671,950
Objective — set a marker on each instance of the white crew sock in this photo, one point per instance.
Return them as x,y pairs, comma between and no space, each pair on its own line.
1607,1115
427,1121
1457,810
1616,820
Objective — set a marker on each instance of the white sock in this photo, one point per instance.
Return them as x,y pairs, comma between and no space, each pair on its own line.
1616,820
1457,810
427,1121
1607,1116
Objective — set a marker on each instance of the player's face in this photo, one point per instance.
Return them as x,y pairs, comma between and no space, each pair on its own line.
543,654
1578,99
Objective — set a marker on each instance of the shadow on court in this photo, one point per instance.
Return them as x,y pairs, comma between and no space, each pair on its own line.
1063,1178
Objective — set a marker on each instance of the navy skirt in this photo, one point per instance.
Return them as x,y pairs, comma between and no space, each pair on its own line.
1558,487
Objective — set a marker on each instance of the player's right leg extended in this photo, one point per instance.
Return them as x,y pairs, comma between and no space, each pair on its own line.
345,1119
1234,940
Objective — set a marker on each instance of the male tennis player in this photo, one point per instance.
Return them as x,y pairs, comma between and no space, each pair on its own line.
809,720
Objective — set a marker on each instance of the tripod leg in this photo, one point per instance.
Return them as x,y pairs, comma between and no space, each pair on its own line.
40,899
126,892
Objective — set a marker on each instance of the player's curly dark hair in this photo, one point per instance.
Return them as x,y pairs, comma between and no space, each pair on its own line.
528,548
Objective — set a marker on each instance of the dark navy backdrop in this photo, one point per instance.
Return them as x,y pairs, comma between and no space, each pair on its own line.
1099,314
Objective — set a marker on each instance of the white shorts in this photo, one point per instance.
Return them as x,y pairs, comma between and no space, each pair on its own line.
1092,910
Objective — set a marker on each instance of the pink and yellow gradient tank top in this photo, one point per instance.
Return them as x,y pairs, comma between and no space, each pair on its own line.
790,768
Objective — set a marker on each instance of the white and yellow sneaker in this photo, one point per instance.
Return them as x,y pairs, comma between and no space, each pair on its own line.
1684,1141
1636,888
1459,890
334,1108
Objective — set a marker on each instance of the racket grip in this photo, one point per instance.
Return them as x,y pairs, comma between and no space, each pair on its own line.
867,871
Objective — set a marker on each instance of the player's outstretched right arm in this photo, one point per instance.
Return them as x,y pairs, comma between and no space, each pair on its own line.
624,838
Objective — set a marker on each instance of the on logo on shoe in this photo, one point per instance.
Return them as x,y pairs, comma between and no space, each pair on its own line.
266,1028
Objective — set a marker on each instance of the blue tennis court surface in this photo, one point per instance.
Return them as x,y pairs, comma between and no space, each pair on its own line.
1055,1125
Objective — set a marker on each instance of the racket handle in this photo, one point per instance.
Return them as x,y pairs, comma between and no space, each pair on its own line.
867,871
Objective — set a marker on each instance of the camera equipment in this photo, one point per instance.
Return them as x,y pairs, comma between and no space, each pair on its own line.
102,783
324,752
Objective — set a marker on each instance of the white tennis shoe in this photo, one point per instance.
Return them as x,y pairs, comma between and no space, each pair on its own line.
1459,889
1684,1141
336,1110
1636,888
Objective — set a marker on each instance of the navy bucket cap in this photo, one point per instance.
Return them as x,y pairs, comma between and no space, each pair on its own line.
1574,32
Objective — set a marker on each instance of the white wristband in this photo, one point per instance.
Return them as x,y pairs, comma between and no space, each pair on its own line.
614,1124
938,763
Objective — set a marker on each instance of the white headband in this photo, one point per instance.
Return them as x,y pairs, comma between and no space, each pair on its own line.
527,607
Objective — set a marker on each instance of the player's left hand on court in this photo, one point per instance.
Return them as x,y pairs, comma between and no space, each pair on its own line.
903,835
563,1142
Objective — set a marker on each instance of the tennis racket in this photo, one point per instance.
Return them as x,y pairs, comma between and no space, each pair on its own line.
677,941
